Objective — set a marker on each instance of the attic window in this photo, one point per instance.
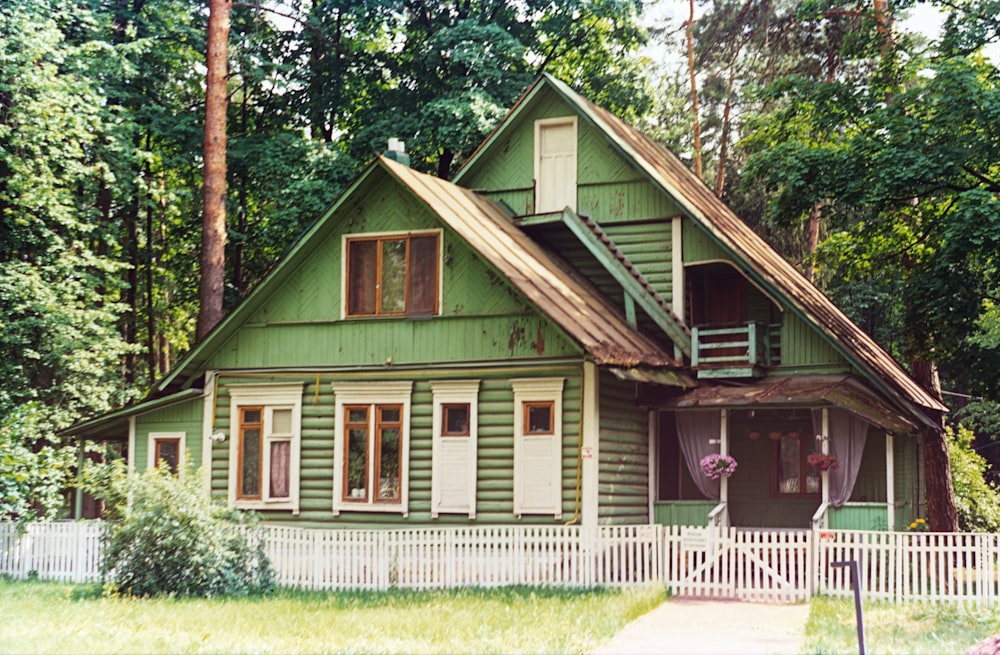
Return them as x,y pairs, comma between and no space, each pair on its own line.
392,275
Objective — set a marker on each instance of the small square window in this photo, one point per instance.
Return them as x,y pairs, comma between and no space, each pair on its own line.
456,420
538,418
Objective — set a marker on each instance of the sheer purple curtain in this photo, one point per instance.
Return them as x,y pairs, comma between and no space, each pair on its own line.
848,433
699,433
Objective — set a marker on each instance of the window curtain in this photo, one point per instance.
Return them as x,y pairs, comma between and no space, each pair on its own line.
847,443
699,433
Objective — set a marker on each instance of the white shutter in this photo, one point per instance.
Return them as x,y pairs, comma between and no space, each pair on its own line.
453,459
538,457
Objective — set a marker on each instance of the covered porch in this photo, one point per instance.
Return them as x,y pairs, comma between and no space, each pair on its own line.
820,452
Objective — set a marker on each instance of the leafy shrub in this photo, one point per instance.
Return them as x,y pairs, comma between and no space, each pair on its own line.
166,536
977,501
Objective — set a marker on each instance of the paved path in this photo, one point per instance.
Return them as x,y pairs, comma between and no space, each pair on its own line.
688,626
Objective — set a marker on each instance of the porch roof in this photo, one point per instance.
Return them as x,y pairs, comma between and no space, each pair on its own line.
113,426
845,391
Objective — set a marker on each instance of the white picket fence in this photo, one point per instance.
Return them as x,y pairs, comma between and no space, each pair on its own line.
759,565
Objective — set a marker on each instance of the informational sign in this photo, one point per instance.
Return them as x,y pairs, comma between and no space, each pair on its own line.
587,452
695,538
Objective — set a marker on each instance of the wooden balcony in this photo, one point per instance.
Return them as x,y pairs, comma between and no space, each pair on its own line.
741,351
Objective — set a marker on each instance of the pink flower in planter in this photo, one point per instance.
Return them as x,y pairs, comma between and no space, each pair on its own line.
715,466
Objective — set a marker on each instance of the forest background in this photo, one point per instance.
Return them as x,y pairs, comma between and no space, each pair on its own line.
869,156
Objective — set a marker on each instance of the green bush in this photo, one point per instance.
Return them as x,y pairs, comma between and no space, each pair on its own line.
166,536
977,501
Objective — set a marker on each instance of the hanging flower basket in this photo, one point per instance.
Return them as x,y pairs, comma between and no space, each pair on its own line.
715,466
753,435
774,436
822,462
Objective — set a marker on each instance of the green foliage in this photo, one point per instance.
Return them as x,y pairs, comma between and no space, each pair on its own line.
977,502
33,471
165,536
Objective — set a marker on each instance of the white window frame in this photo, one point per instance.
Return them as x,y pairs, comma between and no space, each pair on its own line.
540,125
271,397
533,390
454,392
372,394
180,437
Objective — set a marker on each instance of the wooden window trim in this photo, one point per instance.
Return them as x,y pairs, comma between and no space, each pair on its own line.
379,240
269,398
384,394
375,470
803,472
446,409
345,494
159,441
528,406
242,427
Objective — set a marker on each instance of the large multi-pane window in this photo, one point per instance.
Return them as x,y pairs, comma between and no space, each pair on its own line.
265,445
373,456
371,459
392,275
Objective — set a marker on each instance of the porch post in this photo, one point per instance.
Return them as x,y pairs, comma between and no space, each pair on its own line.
825,475
724,450
591,446
207,425
890,483
78,496
130,459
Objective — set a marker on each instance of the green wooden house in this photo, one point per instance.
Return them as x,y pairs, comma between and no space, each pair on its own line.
560,335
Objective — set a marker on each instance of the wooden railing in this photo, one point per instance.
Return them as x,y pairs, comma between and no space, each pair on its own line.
741,347
752,564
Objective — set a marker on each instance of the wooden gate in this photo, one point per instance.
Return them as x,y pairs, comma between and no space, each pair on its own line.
758,565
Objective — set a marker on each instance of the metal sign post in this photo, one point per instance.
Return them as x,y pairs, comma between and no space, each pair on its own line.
858,614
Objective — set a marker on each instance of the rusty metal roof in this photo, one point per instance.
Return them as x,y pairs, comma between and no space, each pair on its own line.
701,204
575,305
846,391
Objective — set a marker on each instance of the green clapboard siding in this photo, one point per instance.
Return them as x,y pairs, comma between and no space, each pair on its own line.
623,478
183,417
495,456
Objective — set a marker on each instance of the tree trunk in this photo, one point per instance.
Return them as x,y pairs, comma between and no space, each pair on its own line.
720,173
941,513
213,235
695,110
812,238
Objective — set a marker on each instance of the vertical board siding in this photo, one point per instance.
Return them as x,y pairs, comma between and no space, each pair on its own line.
803,345
623,477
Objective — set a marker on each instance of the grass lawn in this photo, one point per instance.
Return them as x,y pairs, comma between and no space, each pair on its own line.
910,629
46,617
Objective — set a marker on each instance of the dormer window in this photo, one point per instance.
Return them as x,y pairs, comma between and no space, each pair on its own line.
555,164
392,275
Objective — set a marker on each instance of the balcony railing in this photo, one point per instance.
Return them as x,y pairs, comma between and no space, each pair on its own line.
738,351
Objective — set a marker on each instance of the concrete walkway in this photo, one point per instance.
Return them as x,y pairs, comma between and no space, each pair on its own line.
683,626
